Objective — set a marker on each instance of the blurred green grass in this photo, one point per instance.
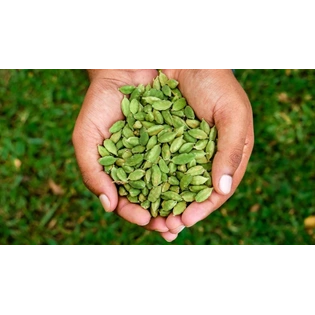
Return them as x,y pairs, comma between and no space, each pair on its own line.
43,200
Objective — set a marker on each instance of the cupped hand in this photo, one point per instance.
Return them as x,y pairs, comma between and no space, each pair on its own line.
216,96
100,109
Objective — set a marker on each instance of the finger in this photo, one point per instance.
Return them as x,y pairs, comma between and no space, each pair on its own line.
171,73
99,183
144,76
157,224
132,212
168,236
93,175
196,212
175,223
232,119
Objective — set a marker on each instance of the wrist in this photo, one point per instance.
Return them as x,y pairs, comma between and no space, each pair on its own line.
94,73
181,73
123,75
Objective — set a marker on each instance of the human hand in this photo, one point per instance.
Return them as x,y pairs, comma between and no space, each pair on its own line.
216,96
100,109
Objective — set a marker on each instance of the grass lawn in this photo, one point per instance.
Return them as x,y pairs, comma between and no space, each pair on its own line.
43,200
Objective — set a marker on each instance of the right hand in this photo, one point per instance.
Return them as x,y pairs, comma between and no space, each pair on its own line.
100,109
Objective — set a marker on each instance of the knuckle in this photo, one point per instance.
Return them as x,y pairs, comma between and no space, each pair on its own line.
86,179
235,158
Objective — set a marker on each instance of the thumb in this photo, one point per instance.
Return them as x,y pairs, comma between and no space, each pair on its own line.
232,124
93,175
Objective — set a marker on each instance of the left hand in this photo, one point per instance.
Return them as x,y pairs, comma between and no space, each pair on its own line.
217,96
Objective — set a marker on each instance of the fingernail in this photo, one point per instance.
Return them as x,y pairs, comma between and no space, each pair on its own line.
171,239
145,223
225,184
105,202
162,230
178,230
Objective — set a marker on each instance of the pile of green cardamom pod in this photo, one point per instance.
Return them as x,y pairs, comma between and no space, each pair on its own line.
161,155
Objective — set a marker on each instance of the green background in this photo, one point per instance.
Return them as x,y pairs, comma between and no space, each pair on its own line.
43,200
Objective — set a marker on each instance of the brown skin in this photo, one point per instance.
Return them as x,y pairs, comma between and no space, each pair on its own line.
215,96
